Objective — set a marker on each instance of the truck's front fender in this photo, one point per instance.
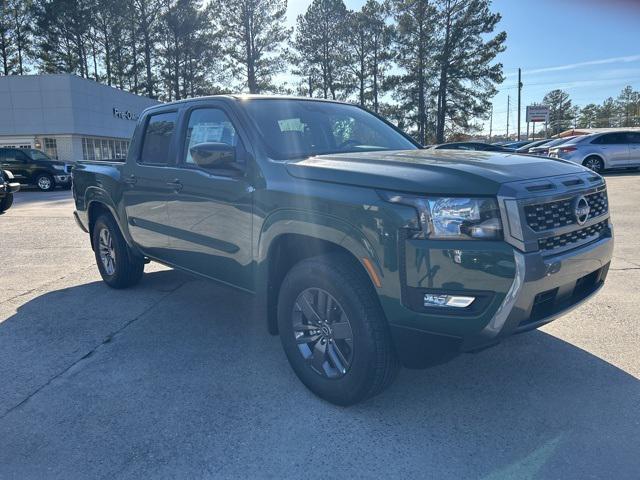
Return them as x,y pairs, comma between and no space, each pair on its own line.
317,226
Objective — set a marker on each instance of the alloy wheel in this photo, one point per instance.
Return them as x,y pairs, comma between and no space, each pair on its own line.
593,164
107,251
323,333
44,183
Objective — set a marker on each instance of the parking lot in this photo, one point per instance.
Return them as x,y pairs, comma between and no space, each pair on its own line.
178,378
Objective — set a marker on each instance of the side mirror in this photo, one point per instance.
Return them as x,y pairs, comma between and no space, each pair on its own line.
212,155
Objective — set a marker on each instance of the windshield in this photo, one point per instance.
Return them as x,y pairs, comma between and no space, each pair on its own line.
37,154
303,128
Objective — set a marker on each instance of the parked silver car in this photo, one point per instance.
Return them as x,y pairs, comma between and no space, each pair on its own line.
600,151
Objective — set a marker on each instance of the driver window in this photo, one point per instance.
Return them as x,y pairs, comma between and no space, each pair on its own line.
208,125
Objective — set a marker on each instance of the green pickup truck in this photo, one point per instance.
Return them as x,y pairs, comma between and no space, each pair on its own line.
364,251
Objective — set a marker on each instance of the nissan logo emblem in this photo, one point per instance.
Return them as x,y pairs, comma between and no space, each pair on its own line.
582,210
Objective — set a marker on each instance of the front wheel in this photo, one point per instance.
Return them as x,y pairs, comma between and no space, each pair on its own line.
333,330
45,182
594,163
118,265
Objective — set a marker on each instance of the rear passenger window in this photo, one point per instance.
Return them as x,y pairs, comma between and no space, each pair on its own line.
611,139
633,137
157,138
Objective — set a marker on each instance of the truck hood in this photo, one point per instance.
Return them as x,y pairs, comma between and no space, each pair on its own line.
430,171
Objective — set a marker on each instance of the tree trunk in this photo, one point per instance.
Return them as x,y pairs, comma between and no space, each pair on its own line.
5,56
444,83
421,79
375,76
134,60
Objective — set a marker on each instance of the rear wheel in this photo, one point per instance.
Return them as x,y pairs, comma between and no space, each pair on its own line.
118,265
6,202
594,163
45,182
333,330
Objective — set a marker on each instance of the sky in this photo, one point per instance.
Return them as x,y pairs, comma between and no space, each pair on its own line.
589,48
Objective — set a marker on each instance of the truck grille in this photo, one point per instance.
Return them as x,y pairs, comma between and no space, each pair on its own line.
566,239
560,213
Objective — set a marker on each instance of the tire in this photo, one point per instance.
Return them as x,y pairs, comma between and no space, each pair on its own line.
344,373
45,182
594,163
6,202
118,265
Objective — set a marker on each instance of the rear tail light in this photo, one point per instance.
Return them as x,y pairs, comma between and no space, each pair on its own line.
567,149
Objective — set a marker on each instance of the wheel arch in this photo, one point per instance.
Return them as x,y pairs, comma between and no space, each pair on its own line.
97,202
290,237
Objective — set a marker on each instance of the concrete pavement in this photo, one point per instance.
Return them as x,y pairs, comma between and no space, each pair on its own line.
177,378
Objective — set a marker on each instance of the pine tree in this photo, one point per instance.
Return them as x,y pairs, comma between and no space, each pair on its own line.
367,56
21,21
189,49
62,35
319,44
608,114
254,32
627,103
415,42
588,116
147,14
381,36
6,44
465,61
560,110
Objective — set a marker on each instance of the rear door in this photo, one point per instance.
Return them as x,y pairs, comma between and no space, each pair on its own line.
146,188
614,148
210,211
16,162
634,148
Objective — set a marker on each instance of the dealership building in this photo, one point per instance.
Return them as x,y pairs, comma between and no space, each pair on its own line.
68,117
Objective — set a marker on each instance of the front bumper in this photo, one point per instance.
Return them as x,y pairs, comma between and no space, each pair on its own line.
6,188
542,288
62,179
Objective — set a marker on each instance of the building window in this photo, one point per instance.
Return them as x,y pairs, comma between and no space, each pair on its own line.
105,149
51,147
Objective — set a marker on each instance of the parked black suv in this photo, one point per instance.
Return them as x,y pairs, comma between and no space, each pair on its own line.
8,186
33,167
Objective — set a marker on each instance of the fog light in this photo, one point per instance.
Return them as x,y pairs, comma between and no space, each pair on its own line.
433,300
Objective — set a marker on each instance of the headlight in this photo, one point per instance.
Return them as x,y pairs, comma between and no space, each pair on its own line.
59,167
452,217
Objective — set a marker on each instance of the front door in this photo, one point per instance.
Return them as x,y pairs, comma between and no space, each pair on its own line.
210,212
147,187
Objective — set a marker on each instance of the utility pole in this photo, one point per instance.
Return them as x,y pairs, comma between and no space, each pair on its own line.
491,123
508,105
519,95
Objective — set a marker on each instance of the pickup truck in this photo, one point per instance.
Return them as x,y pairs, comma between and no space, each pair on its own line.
364,251
34,167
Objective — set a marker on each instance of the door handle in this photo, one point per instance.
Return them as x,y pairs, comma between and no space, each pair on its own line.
131,180
175,184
